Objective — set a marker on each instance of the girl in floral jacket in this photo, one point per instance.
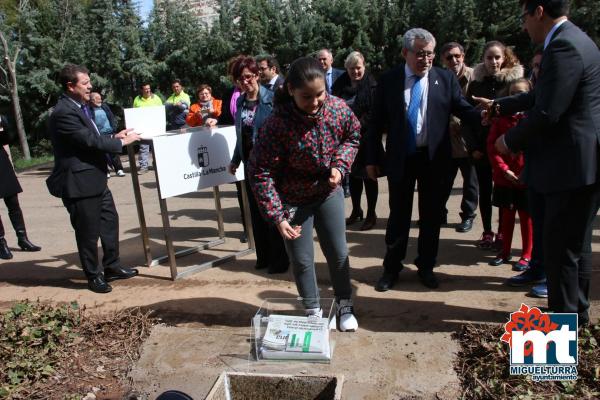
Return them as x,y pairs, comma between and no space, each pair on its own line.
299,157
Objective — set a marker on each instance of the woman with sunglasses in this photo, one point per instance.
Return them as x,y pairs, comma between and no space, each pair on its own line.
254,106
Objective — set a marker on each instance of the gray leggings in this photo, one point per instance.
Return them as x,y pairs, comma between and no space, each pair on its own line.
328,218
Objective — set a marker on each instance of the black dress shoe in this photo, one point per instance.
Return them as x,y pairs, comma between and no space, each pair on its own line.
465,226
387,281
5,253
354,216
498,261
112,274
99,285
244,238
427,278
279,270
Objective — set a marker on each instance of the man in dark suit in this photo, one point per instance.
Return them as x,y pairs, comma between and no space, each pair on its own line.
561,138
413,104
325,57
79,178
269,72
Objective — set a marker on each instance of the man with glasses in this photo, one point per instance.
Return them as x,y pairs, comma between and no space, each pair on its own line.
561,139
453,58
268,71
413,104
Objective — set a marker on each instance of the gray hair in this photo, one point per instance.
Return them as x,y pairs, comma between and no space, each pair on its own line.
408,40
353,59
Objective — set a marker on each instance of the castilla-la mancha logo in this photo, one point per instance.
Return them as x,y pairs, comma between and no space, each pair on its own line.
543,345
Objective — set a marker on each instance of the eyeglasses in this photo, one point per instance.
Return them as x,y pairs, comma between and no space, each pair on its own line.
421,55
245,78
451,57
523,16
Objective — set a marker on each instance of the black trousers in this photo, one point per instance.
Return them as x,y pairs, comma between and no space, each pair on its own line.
432,179
470,188
536,208
356,189
567,236
92,218
115,161
484,179
14,214
270,249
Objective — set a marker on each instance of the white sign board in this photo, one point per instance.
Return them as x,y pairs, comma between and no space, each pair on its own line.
146,121
195,160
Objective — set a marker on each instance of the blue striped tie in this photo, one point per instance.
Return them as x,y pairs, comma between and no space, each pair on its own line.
416,93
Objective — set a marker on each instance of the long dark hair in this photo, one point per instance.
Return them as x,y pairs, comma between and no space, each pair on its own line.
302,71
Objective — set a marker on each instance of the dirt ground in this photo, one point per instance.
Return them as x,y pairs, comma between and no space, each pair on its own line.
403,348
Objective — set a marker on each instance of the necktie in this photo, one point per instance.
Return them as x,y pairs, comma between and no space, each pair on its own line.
86,111
416,94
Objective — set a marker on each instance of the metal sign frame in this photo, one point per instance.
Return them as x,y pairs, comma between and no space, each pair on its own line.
172,255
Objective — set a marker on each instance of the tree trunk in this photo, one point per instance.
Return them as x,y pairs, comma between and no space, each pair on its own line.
14,95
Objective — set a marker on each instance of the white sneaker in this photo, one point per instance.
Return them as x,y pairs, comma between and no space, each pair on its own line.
120,173
108,175
314,312
345,316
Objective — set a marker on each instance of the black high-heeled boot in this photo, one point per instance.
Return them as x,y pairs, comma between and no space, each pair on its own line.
354,216
5,253
24,242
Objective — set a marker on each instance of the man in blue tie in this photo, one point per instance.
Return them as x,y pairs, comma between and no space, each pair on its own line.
325,57
413,104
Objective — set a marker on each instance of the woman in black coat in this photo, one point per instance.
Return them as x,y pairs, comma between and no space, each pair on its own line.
356,86
9,190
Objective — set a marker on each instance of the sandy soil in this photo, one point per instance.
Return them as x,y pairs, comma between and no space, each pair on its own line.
404,345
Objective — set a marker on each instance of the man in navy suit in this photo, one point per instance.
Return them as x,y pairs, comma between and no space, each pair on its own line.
561,138
79,178
325,57
413,104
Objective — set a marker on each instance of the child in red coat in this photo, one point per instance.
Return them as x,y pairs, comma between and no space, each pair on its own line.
509,192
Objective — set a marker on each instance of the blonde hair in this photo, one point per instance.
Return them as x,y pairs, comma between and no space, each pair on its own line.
353,59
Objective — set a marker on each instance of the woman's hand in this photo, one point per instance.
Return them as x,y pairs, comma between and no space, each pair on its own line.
511,176
289,232
232,168
210,122
335,177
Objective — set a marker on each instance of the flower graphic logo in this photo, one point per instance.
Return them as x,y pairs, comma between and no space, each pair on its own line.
527,319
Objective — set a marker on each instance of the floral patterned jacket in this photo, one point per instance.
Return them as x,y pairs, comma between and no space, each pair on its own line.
293,155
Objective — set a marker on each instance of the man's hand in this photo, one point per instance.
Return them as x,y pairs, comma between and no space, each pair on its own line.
123,133
373,172
483,102
127,137
232,168
477,155
289,232
501,145
335,177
